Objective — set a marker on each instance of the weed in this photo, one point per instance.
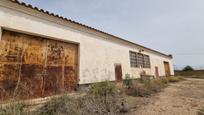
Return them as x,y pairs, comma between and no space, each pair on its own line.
138,89
63,105
147,87
86,105
14,108
128,82
175,79
155,85
164,80
103,88
102,99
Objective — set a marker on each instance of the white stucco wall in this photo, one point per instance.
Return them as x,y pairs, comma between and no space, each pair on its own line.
97,54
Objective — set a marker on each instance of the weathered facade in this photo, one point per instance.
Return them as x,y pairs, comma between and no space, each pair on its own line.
28,62
43,54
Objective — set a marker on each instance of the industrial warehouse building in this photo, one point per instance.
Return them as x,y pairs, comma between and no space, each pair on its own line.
44,54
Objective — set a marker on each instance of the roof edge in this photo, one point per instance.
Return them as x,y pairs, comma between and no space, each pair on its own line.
88,27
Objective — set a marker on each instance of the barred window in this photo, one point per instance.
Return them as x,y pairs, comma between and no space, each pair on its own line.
146,61
133,60
139,60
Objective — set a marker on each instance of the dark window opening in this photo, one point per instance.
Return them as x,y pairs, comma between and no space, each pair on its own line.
139,60
133,60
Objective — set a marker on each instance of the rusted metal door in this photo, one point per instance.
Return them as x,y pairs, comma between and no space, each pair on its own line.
156,72
118,72
61,67
167,68
32,66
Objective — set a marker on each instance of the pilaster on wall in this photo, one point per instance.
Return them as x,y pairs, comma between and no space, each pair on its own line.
0,32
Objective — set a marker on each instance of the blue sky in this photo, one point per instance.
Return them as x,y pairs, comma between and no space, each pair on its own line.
170,26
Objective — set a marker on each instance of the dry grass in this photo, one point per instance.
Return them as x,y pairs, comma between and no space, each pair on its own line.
147,87
59,106
87,105
102,99
175,79
191,74
13,108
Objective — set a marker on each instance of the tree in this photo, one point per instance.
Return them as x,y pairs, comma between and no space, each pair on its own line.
188,68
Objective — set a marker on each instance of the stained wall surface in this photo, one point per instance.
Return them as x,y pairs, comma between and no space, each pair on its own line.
97,53
33,66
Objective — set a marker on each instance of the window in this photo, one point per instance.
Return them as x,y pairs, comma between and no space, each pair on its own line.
146,61
133,60
139,60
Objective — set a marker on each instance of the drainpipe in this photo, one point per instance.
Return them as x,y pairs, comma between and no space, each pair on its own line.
0,32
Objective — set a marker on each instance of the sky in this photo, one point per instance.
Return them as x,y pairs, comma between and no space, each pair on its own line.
170,26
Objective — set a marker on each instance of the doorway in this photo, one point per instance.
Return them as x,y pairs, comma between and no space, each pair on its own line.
156,72
118,72
167,68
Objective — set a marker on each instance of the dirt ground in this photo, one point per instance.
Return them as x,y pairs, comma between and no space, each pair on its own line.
182,98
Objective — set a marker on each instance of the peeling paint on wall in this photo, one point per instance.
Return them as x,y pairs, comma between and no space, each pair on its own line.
33,67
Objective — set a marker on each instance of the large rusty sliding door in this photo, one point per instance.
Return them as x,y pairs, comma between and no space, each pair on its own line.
33,67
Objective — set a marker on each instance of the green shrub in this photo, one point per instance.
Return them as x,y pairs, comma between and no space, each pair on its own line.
147,87
103,88
128,82
14,108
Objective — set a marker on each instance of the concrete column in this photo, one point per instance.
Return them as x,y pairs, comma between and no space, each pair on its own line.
1,32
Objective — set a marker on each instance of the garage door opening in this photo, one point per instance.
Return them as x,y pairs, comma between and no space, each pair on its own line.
32,66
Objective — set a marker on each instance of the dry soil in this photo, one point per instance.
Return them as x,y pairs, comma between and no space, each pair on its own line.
182,98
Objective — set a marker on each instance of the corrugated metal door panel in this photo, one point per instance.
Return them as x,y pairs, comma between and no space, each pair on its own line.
55,57
45,67
70,67
32,66
10,54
